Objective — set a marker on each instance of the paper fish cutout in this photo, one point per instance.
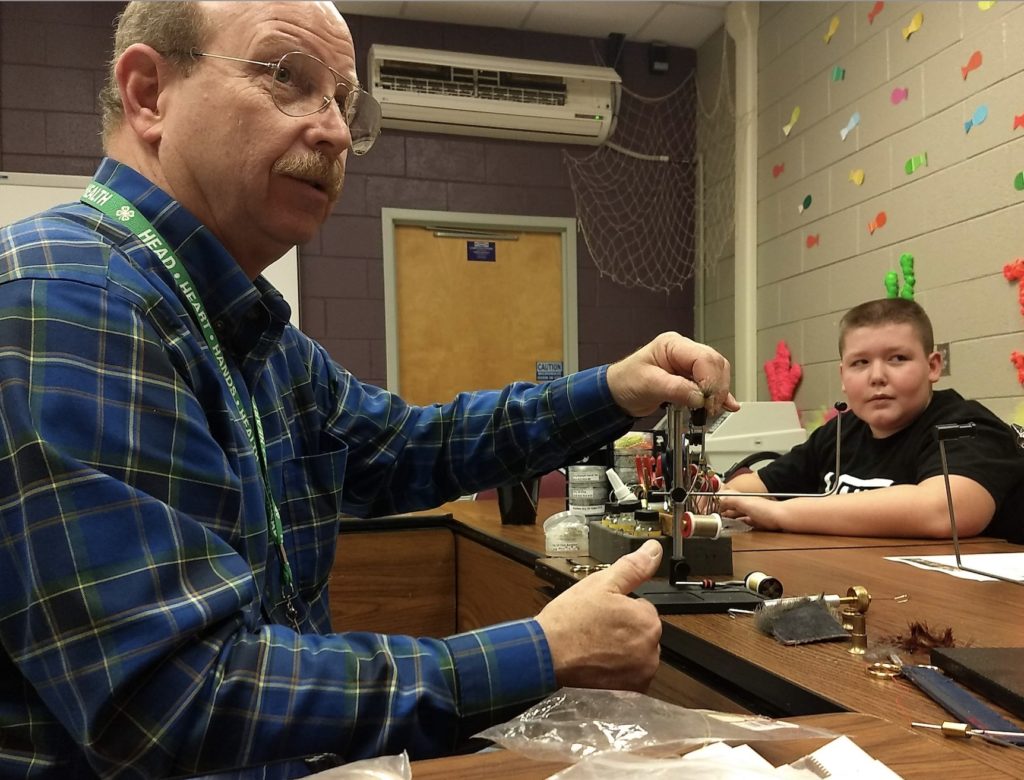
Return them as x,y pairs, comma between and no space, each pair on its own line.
878,222
980,115
854,121
792,121
1018,121
899,95
1018,182
804,206
838,74
813,239
914,26
916,162
778,169
972,64
832,27
857,176
984,5
875,11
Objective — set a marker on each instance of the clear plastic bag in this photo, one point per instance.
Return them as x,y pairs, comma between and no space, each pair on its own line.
628,766
576,722
380,768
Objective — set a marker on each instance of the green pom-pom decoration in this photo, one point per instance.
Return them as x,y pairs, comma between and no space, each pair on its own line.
892,279
892,285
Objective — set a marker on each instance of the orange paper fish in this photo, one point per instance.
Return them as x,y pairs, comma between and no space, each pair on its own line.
813,239
777,170
1018,121
875,11
972,64
878,222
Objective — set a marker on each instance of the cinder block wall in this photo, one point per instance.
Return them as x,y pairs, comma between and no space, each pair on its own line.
960,216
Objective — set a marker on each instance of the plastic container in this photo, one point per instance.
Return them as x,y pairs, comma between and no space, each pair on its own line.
566,534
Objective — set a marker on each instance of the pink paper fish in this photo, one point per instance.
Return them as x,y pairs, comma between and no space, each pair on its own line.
899,95
875,11
1018,121
813,239
972,64
777,170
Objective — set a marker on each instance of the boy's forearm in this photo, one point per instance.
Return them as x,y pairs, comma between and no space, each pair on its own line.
901,510
746,483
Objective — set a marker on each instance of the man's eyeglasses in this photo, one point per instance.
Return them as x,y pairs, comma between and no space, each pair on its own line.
302,85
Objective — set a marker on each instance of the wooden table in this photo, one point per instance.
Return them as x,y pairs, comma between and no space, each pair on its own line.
731,656
735,664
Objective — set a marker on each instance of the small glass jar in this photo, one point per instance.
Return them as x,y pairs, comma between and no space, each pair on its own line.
647,522
619,516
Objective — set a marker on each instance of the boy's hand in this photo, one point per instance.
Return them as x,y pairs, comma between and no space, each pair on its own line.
599,636
765,514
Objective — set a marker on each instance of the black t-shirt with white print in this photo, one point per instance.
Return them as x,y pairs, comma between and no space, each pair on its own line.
991,457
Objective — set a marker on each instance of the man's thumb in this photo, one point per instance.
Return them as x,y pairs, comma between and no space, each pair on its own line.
632,570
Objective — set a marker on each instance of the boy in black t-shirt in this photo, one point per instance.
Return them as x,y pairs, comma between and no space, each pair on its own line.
888,366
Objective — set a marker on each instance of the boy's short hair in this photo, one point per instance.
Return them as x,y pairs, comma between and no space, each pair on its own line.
888,311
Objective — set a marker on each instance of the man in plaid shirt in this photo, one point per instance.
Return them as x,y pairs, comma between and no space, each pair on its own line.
175,455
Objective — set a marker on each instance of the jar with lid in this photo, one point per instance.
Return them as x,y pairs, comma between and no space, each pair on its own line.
647,522
619,516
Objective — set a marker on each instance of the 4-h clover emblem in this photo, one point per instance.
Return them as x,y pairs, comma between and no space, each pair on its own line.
124,213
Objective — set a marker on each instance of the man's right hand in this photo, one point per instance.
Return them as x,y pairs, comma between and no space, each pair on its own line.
599,636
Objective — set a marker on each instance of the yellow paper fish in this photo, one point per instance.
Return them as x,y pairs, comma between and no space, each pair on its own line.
914,26
857,176
786,129
832,27
984,6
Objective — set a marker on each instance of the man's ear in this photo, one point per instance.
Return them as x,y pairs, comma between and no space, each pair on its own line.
142,74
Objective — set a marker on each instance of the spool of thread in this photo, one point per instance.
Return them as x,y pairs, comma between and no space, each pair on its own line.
763,585
701,526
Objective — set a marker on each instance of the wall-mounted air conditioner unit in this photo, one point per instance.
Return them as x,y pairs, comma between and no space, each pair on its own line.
497,97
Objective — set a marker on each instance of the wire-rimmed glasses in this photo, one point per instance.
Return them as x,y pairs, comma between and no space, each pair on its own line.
302,85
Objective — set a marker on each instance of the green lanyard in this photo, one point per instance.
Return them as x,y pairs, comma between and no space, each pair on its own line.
113,205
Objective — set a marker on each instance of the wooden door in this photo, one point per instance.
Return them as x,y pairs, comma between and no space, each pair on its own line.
473,324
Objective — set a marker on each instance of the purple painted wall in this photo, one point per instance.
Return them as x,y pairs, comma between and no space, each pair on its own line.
52,62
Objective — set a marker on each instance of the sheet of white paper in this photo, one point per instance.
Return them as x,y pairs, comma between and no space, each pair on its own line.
1010,565
844,759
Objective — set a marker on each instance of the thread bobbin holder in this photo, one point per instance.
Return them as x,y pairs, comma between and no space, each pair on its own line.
698,547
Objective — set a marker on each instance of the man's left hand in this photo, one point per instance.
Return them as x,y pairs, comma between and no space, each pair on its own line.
672,369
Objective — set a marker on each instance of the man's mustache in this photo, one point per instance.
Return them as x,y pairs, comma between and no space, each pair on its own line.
316,167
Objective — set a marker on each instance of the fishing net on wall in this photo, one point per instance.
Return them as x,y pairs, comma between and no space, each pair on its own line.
640,203
716,148
635,195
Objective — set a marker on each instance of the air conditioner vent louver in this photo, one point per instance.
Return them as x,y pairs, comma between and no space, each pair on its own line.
450,92
470,89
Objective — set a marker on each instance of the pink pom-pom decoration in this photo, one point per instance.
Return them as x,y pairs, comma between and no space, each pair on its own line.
783,374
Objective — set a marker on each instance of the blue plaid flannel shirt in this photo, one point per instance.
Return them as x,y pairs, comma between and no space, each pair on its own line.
140,616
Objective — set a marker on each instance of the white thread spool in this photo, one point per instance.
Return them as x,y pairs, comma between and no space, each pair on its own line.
701,526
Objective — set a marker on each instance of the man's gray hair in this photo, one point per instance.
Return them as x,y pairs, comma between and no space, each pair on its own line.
172,28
